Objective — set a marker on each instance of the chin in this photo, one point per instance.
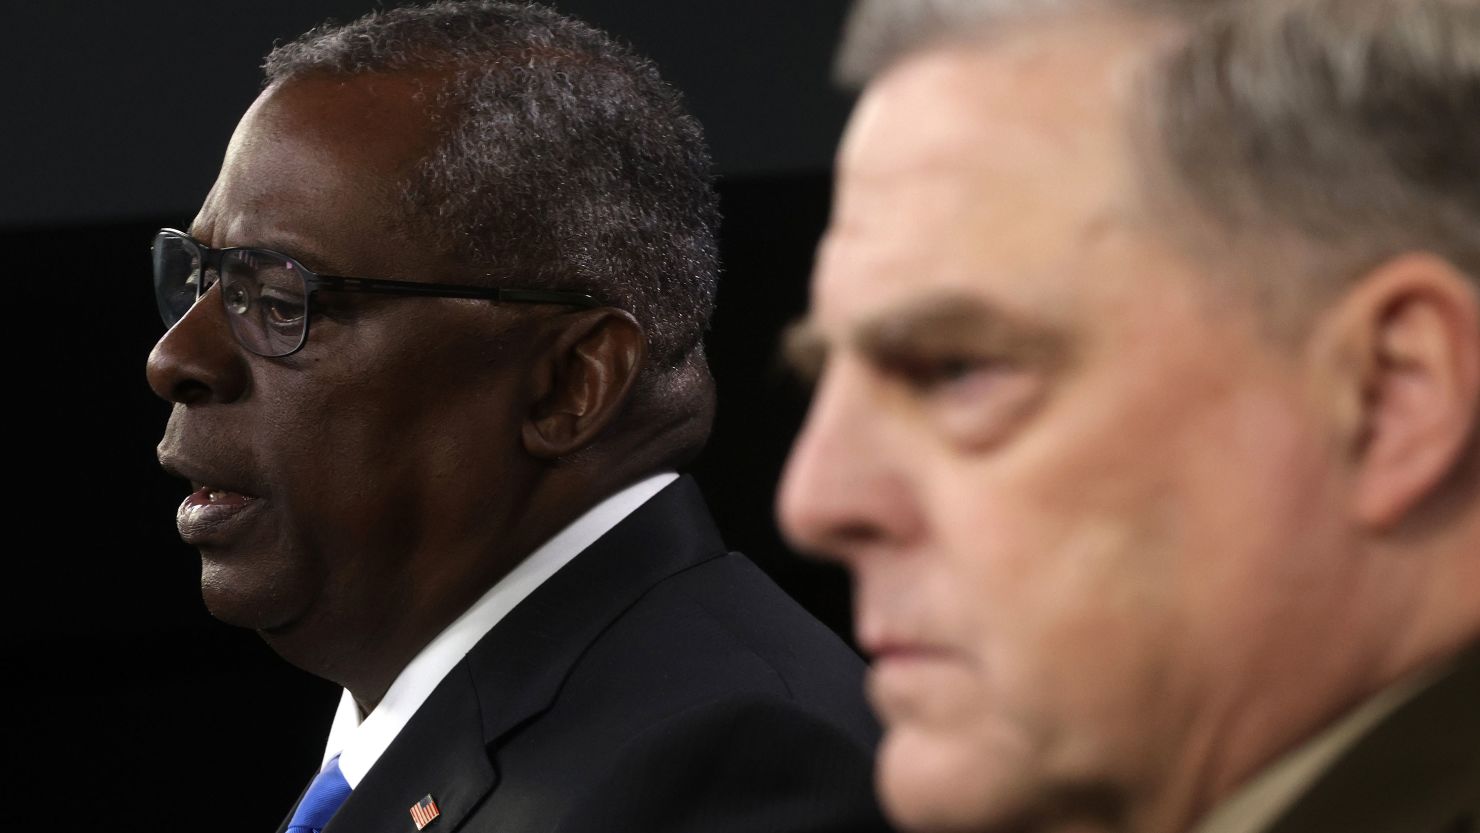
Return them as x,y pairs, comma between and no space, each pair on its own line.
938,780
246,598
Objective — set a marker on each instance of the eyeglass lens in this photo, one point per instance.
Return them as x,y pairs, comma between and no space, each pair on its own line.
264,293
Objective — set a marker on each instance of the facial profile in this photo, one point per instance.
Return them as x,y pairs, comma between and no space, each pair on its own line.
337,487
1085,498
436,357
494,341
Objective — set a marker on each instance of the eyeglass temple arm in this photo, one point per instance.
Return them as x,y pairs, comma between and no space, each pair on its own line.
442,290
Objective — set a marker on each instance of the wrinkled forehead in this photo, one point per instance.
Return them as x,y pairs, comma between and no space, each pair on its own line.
1054,75
1007,153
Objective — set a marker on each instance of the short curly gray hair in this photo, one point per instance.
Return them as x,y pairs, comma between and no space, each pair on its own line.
567,160
564,162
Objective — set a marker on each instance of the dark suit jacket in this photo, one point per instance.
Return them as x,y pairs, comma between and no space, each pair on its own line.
656,683
1418,771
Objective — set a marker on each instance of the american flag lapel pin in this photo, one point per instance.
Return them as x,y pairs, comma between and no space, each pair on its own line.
424,812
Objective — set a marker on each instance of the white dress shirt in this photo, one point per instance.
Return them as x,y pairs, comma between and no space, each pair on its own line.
359,741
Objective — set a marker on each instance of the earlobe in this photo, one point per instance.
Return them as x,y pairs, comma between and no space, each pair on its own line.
593,363
1417,319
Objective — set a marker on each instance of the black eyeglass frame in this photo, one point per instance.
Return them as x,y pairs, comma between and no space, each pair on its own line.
314,282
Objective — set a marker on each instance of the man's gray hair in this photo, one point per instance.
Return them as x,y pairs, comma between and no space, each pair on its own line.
562,160
1352,125
880,31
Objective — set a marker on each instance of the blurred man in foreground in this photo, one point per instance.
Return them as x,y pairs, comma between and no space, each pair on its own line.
1148,412
436,354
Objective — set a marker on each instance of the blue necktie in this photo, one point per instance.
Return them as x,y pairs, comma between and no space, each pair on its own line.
325,794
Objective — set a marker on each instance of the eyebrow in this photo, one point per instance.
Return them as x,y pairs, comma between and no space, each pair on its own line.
299,250
803,350
939,324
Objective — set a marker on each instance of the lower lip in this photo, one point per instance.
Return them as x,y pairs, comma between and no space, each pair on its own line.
914,667
911,657
208,516
898,652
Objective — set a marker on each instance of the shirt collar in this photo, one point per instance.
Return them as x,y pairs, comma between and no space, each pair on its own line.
360,740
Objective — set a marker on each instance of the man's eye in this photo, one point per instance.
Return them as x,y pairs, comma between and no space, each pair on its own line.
936,375
281,311
237,299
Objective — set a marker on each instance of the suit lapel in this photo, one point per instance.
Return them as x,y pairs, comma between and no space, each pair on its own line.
519,666
516,670
439,753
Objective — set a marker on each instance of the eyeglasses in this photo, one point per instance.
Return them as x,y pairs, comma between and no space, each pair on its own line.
268,295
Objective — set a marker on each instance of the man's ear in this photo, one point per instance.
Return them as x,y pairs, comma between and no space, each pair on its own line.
1409,334
584,379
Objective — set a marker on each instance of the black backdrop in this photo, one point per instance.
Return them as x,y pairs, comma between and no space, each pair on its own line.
135,709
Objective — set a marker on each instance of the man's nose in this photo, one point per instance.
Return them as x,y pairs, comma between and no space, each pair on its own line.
199,361
844,492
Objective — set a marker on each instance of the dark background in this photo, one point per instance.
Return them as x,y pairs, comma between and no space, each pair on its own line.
135,709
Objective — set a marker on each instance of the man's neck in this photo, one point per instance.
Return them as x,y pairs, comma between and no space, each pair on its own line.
1260,800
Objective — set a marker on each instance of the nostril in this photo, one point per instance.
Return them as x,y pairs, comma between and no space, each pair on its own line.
857,533
189,392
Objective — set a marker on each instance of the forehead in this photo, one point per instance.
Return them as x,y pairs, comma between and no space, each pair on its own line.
316,164
979,162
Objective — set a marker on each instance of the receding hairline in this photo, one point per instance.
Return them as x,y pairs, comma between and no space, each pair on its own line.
1129,37
997,89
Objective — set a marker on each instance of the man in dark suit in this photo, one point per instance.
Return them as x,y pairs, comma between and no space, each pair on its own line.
1148,412
435,354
